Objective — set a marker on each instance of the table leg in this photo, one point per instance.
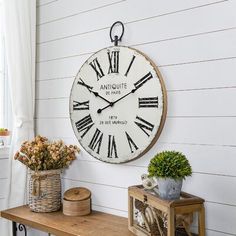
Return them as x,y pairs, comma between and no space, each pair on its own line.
21,227
14,228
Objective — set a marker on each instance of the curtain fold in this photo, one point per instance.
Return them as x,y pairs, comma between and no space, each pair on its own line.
20,40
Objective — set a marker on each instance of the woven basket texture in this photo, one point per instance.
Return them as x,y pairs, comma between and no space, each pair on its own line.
44,190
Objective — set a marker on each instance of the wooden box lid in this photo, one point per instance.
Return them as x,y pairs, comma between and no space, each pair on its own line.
77,194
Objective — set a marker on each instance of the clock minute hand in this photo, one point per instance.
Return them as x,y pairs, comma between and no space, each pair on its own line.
137,85
112,103
90,89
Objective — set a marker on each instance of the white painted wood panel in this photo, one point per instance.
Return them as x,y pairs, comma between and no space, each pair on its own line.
2,203
4,152
3,168
67,67
168,27
103,195
64,9
219,216
211,156
54,88
44,2
193,49
211,131
212,74
193,42
110,14
201,102
181,103
208,74
178,46
3,185
215,188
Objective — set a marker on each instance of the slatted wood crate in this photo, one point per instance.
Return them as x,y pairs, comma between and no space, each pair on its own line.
150,215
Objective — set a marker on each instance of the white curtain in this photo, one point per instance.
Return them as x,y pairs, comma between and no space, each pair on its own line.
20,40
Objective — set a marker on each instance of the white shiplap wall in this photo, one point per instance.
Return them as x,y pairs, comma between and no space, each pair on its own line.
194,44
4,151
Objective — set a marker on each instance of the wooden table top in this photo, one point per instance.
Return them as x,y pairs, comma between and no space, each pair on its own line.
95,224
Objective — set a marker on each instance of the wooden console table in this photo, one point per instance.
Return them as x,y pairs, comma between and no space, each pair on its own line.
95,224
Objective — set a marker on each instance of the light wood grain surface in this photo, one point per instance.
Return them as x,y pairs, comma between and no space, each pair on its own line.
98,223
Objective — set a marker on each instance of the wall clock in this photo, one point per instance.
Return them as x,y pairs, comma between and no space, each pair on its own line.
118,104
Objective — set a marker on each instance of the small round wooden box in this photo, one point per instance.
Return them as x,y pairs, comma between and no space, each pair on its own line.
77,202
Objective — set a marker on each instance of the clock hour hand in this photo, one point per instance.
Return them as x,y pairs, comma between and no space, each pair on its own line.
90,89
112,103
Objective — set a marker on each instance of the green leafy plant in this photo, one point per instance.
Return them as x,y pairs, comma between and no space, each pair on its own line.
3,129
170,164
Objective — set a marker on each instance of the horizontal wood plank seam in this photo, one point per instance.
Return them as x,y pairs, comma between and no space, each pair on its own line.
3,178
169,91
149,43
162,66
146,166
134,21
45,4
126,188
200,89
217,231
213,116
187,117
185,36
55,78
202,144
79,13
84,181
198,61
111,208
224,204
191,144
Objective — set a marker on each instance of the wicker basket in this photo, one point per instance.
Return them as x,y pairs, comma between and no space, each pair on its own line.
44,190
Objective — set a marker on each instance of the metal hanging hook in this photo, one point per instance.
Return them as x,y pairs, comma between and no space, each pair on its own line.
116,39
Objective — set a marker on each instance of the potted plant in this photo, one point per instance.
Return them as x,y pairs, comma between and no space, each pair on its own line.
45,160
169,168
4,136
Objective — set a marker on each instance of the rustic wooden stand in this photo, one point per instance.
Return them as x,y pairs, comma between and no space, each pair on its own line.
97,223
185,205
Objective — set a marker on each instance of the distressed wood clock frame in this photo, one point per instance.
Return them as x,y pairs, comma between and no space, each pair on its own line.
119,115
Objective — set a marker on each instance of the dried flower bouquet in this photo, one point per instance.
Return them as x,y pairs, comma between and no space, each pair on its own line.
42,154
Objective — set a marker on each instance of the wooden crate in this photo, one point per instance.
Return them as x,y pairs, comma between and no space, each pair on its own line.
163,217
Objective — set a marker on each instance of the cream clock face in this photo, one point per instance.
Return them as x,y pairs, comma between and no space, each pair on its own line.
117,104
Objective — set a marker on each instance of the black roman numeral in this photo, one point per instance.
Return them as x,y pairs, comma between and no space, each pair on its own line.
131,143
84,125
97,68
148,102
144,125
143,80
130,64
96,141
81,82
113,61
80,105
111,147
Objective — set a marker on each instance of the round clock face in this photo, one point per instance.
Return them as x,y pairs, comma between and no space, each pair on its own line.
117,104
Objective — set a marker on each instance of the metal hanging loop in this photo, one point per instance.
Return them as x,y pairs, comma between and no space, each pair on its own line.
117,39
